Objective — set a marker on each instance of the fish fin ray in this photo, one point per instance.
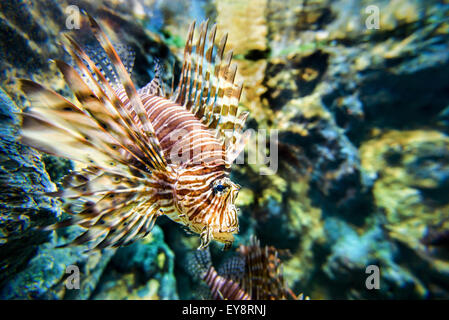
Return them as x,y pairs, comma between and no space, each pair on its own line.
155,86
121,213
147,132
207,85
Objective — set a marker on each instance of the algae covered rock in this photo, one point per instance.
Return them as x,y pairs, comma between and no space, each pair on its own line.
353,253
31,265
22,209
361,115
32,268
412,170
143,270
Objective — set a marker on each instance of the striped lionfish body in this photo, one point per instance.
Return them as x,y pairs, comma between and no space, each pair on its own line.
145,154
254,274
221,286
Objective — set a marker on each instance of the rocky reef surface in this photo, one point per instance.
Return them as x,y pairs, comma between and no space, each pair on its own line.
31,267
361,175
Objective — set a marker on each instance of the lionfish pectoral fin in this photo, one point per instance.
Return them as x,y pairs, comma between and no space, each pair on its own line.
205,237
100,100
115,212
99,131
101,60
233,268
207,85
198,263
147,133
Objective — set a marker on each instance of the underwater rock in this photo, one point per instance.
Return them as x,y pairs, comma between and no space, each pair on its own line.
292,24
31,267
143,270
362,172
323,151
393,76
22,174
412,174
408,174
326,84
245,21
45,275
352,253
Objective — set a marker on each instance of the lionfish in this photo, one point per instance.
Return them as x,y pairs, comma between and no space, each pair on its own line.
255,273
145,153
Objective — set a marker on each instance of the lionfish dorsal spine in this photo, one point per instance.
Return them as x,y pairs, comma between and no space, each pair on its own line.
208,88
135,101
119,121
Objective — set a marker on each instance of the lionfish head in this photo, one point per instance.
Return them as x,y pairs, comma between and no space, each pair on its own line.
208,207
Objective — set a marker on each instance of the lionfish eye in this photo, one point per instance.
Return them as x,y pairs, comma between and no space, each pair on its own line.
219,188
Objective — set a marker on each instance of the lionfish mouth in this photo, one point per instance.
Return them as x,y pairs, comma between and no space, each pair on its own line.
231,212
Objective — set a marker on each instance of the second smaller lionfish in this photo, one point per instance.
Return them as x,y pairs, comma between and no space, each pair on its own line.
255,273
